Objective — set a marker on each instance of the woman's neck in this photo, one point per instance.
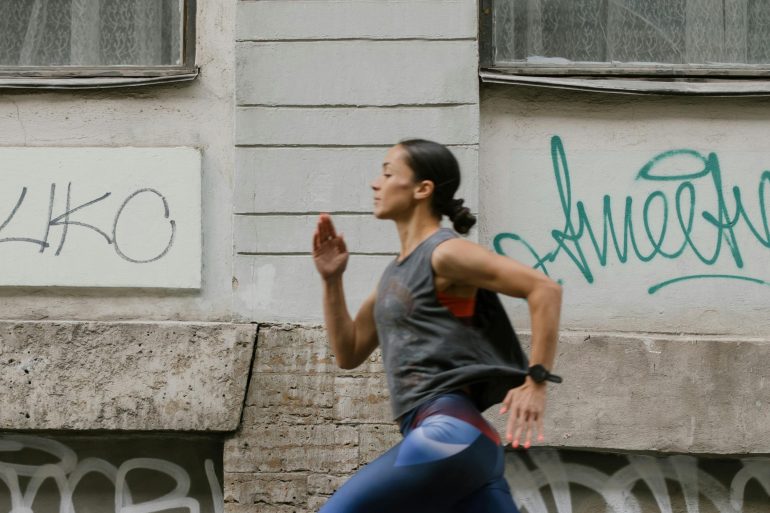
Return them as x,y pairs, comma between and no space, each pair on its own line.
414,230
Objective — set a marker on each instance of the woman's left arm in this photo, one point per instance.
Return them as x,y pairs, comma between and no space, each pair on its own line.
465,263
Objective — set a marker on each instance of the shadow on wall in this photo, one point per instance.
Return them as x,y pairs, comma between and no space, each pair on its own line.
548,481
110,473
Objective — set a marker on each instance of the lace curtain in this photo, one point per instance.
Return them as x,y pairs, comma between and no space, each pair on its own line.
90,32
633,31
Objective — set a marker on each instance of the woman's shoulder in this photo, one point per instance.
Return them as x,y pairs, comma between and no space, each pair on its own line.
456,257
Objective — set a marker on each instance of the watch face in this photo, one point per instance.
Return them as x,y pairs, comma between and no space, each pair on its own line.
538,373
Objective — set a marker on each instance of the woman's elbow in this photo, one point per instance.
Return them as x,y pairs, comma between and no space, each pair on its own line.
548,292
346,365
347,362
555,290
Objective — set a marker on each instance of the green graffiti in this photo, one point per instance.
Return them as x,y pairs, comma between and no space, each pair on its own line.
580,236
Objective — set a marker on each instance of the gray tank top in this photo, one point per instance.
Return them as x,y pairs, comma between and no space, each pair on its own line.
426,349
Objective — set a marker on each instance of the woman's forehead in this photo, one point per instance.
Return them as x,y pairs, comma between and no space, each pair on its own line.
394,156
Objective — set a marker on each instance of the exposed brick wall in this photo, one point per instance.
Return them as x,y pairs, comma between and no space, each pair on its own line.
307,425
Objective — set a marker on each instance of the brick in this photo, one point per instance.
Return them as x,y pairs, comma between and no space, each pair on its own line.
265,508
314,503
296,350
267,488
362,399
320,484
297,394
253,415
277,448
376,439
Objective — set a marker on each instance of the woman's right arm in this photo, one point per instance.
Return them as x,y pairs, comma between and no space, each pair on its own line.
352,340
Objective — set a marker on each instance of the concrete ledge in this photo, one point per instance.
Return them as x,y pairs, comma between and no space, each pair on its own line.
659,393
124,376
621,392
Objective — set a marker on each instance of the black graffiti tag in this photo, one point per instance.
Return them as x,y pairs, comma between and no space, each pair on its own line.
65,220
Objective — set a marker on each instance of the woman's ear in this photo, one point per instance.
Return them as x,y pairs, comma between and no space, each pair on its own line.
424,189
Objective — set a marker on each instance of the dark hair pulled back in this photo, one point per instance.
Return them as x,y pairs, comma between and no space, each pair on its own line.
433,161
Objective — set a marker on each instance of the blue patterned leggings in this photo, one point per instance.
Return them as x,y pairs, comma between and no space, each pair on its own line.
450,461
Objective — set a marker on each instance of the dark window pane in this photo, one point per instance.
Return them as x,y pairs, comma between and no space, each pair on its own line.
90,32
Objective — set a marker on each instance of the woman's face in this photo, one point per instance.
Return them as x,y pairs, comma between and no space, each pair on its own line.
395,187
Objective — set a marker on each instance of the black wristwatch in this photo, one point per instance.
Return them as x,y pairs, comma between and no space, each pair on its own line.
538,373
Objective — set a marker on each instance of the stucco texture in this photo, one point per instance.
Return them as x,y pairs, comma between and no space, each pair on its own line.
123,376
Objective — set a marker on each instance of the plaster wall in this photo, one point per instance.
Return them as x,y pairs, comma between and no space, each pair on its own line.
318,104
197,114
559,168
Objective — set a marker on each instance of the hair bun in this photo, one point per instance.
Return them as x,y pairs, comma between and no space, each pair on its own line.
461,216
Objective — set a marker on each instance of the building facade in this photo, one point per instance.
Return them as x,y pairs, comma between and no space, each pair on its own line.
162,347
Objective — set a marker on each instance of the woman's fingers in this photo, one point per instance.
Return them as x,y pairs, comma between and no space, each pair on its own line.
525,420
326,227
530,429
513,423
540,430
323,227
520,425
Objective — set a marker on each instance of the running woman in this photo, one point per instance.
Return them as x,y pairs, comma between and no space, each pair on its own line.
442,370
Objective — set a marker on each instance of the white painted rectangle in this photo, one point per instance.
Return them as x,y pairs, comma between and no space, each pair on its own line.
100,217
313,19
296,180
357,73
288,288
363,233
355,126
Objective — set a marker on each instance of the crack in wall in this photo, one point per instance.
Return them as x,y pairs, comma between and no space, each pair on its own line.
21,123
249,377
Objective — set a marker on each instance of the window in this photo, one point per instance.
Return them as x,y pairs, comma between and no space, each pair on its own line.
651,39
97,42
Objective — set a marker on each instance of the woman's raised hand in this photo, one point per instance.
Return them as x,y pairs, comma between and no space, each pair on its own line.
329,251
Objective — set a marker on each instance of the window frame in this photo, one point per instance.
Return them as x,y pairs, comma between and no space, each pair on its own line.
68,77
717,79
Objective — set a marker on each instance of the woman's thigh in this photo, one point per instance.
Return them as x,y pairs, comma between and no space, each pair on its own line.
494,496
440,463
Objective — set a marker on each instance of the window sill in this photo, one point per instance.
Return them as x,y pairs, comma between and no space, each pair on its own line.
95,82
646,85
